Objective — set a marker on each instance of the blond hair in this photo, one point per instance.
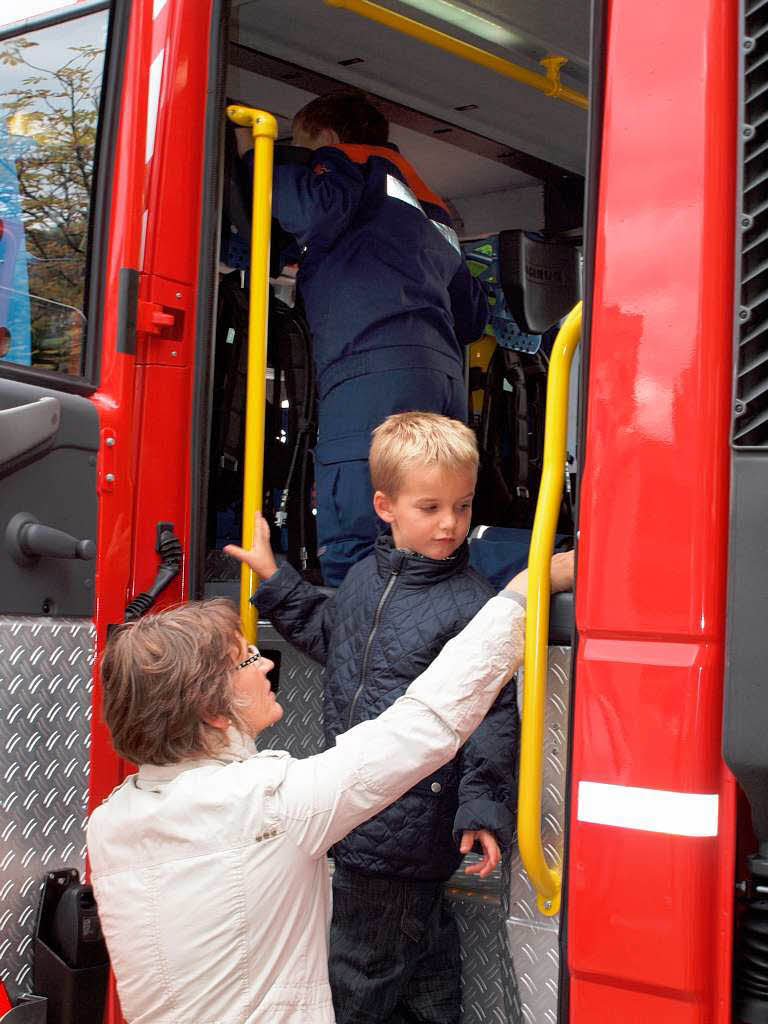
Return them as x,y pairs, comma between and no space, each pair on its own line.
408,439
164,674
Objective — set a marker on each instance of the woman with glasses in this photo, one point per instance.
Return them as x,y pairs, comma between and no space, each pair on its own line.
209,863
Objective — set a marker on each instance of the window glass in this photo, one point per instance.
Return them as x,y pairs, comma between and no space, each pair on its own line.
50,88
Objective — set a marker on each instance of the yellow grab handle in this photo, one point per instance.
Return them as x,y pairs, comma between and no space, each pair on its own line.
547,881
264,127
549,83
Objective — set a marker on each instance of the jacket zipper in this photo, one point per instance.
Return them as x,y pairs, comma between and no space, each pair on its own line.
369,641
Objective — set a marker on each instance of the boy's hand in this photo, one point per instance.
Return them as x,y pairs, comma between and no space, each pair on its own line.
560,574
491,851
260,557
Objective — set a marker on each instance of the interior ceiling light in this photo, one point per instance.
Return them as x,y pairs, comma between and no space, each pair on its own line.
484,27
470,21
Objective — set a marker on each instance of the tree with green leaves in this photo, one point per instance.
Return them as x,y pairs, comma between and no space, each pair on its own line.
55,112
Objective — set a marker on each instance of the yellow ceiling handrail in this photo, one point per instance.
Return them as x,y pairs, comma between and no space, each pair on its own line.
546,880
264,128
548,84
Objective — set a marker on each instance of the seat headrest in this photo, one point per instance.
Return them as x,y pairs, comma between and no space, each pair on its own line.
540,279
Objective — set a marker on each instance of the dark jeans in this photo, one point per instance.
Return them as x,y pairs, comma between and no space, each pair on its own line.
347,526
394,956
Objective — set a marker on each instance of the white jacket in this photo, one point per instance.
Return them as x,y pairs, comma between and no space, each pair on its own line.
211,877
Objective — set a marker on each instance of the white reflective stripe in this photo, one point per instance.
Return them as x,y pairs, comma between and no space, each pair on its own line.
479,532
398,190
649,810
153,98
159,5
448,234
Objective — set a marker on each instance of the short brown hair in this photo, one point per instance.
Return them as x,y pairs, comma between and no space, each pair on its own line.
164,674
353,117
408,439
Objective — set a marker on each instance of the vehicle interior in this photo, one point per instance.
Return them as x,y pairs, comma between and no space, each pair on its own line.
510,161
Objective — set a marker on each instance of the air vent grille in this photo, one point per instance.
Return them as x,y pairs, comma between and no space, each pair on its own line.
750,423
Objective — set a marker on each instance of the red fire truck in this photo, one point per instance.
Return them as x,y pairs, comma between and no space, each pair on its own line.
626,139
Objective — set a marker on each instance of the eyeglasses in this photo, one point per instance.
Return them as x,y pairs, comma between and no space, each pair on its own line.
253,656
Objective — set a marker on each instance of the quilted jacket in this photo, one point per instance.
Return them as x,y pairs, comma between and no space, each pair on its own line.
385,624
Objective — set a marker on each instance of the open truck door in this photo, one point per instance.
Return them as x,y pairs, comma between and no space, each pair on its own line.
56,79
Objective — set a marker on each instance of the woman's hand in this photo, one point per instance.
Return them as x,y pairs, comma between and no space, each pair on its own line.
260,557
561,571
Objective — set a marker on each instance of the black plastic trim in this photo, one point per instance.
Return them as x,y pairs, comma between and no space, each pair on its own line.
200,427
101,202
51,586
745,709
59,17
750,347
127,311
99,221
68,384
561,620
591,199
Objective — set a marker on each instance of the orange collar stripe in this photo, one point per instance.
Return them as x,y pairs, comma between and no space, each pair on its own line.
361,154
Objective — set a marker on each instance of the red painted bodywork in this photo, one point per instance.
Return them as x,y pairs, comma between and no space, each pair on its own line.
145,401
649,915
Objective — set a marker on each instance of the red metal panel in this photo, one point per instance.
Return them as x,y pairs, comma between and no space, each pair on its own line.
173,201
175,182
115,397
652,719
675,690
650,914
629,1007
145,400
162,491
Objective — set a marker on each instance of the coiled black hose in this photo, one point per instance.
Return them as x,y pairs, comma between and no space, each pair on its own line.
169,549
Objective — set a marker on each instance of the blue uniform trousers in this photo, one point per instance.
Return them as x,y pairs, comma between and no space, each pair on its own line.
347,526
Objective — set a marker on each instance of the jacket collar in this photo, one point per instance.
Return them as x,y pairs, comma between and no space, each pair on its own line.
239,748
417,569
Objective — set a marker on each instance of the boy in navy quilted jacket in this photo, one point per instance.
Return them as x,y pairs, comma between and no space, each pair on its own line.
394,951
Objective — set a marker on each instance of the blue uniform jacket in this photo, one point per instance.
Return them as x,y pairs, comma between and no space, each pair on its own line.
383,279
383,626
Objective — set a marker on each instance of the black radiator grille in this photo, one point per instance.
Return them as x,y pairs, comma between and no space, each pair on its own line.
750,424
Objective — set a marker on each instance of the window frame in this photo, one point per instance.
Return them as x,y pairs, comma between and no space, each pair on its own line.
87,382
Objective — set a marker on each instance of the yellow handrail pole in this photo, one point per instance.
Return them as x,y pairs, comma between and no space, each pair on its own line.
549,84
264,128
547,881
